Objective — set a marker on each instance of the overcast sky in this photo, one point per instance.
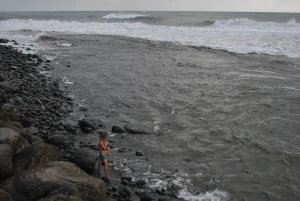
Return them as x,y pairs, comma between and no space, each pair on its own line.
194,5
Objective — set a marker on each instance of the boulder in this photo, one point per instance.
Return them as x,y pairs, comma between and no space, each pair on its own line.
35,155
4,196
55,178
11,137
6,166
60,141
138,129
85,159
117,129
61,197
90,124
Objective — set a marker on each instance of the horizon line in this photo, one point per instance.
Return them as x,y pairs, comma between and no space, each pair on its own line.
151,11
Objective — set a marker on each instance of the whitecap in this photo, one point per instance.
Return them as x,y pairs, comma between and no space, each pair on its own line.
122,16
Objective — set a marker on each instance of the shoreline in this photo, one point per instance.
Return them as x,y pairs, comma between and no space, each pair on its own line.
34,109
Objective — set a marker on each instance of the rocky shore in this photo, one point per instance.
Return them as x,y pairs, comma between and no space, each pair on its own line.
39,159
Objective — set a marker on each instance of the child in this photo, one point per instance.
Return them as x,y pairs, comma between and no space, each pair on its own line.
102,154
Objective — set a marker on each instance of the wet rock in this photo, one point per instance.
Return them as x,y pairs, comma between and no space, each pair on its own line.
11,137
122,150
83,108
85,159
146,198
61,197
117,129
2,40
55,178
139,153
90,124
6,166
127,178
124,192
4,196
35,155
140,183
60,141
164,198
138,129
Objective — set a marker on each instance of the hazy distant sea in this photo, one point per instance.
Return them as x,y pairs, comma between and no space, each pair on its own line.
220,90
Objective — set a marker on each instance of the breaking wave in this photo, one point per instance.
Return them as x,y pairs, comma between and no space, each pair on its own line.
123,16
241,36
246,24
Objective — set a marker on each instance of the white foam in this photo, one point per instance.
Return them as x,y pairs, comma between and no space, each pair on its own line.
122,16
65,44
215,195
67,81
239,35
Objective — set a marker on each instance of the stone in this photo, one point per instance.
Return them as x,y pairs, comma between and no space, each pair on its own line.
139,192
127,178
36,139
61,197
140,183
6,165
146,198
138,129
7,87
4,196
139,153
59,177
85,159
32,130
35,155
3,97
164,198
11,137
60,141
117,129
124,191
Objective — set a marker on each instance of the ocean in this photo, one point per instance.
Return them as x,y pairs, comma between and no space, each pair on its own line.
221,92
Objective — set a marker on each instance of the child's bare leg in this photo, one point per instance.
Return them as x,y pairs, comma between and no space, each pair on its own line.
99,168
106,169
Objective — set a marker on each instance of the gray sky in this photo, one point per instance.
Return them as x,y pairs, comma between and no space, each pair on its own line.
198,5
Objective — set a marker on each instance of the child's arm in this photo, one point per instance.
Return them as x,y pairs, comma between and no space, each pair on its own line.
108,150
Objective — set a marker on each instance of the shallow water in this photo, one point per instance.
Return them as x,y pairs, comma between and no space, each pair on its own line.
229,122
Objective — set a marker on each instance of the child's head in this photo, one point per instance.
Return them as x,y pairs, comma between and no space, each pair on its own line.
103,135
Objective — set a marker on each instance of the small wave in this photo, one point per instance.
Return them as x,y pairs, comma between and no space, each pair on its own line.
47,38
65,44
123,16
